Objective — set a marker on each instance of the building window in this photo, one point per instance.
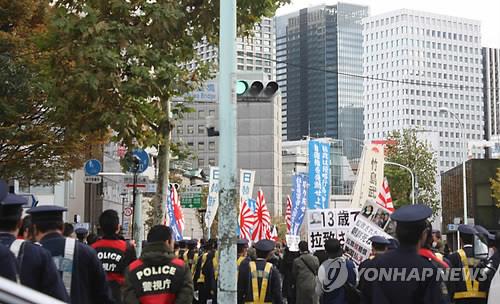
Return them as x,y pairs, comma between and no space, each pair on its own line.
211,146
190,129
180,129
211,161
201,146
201,114
201,129
201,162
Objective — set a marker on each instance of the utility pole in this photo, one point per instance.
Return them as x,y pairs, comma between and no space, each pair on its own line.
227,289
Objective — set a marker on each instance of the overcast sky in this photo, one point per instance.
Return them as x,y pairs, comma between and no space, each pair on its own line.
486,11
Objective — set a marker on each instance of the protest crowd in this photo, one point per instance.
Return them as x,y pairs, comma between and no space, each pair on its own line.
43,253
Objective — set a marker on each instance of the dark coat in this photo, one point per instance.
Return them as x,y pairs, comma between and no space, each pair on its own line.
286,265
412,291
37,270
304,270
9,264
88,283
139,288
457,286
273,291
115,255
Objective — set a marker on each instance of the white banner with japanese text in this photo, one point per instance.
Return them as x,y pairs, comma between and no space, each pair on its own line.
324,224
373,220
213,196
247,178
370,175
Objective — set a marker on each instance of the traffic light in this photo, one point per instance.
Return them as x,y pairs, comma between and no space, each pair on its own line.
255,91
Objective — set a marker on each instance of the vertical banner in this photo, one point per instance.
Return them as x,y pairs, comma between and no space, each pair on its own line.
299,200
247,178
370,176
319,175
325,224
174,211
213,196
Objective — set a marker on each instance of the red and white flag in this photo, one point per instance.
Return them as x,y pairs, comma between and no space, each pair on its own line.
384,197
176,202
262,218
273,235
247,221
288,214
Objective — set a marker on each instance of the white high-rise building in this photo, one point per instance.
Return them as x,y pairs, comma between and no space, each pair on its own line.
415,65
256,53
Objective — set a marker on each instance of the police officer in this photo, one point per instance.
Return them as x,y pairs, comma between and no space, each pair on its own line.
36,268
115,254
379,247
242,252
191,255
467,289
408,289
205,277
9,264
260,280
78,264
81,234
158,276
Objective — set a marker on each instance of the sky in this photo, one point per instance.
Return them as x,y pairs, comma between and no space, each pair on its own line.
486,11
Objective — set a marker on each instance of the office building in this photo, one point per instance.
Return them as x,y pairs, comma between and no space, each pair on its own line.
256,53
418,68
323,51
258,142
491,79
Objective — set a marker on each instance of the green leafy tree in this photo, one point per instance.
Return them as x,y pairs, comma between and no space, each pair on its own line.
406,149
36,147
119,64
495,188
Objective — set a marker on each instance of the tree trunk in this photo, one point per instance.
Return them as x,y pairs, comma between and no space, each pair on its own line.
163,166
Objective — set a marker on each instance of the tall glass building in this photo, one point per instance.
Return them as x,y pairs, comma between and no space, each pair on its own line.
324,54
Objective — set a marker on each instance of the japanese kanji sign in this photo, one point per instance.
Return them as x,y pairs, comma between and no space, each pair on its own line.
370,175
319,175
213,196
299,202
373,220
324,224
247,178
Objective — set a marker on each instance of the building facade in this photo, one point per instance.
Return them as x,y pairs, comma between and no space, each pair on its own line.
296,160
258,142
256,53
323,52
416,65
491,78
481,209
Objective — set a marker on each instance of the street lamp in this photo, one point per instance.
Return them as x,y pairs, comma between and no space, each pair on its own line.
464,180
412,178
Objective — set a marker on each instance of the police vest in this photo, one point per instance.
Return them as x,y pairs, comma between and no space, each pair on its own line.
259,292
65,263
215,263
157,283
471,285
111,253
15,248
191,262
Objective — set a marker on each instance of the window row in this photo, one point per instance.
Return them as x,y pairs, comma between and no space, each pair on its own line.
422,20
388,33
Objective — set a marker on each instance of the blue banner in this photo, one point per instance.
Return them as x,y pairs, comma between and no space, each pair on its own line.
319,175
299,202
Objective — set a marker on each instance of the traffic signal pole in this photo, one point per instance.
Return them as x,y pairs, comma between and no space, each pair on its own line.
227,289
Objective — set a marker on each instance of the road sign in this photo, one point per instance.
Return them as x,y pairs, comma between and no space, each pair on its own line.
143,157
136,185
452,227
92,167
191,197
127,211
92,179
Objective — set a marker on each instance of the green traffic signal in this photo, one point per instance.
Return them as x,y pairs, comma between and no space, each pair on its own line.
241,87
